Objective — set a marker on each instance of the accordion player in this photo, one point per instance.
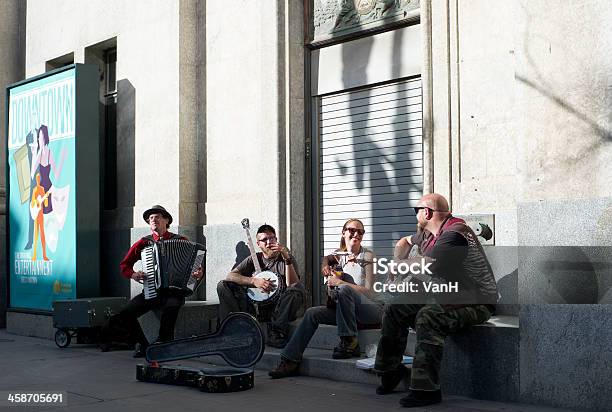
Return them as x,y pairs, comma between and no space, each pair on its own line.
170,264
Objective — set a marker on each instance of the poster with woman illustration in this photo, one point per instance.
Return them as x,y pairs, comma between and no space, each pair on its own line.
42,212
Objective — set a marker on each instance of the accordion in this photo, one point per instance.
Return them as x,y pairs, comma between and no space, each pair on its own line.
169,264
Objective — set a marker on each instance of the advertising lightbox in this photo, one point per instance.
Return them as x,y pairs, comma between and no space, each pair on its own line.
53,196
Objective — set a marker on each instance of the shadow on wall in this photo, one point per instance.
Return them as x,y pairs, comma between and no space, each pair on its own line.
565,275
116,224
385,191
242,252
552,275
507,287
16,226
541,85
4,275
544,90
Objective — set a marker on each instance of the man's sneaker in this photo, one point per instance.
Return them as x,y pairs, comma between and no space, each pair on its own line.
139,351
277,339
389,380
420,398
285,369
348,348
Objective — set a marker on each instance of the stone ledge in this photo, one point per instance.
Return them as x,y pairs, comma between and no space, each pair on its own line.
501,321
326,336
29,324
483,362
196,317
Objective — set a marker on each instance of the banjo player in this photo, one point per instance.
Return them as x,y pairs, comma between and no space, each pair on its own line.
273,257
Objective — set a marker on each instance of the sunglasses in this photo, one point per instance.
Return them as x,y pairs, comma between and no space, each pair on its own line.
353,230
416,209
271,239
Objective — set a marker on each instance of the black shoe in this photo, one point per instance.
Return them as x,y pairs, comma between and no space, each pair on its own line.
420,398
277,339
348,348
389,380
104,346
285,369
139,351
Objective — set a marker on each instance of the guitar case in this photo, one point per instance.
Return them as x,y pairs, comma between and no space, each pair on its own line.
210,379
239,341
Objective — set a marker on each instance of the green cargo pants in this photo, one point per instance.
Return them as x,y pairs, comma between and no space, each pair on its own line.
432,324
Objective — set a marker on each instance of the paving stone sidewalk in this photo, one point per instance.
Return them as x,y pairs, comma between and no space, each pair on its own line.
95,381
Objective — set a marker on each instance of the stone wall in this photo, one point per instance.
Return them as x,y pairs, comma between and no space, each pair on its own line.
254,127
157,104
522,129
522,96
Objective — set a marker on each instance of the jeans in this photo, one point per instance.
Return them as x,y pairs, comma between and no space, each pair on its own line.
352,308
233,298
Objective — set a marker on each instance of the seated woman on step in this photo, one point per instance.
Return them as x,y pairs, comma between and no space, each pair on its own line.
350,278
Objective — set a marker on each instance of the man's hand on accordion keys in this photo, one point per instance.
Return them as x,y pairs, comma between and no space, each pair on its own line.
139,276
198,273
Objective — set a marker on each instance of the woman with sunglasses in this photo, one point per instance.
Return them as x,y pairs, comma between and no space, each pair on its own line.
353,304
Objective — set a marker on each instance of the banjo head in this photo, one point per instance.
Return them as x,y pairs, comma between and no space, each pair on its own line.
256,294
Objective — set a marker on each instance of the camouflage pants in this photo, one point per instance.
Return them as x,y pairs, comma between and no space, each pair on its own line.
432,324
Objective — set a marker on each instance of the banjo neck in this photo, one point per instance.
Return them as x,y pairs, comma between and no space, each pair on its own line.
246,227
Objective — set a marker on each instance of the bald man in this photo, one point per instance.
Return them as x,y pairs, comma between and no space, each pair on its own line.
455,255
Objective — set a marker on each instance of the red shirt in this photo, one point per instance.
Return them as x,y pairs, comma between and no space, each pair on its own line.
133,255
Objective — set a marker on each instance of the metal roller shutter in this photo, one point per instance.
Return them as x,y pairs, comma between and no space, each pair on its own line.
370,163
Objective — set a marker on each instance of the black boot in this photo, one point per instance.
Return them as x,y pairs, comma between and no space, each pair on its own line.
277,339
348,348
285,369
420,398
389,380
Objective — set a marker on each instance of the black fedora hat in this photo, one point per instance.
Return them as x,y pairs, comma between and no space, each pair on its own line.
157,209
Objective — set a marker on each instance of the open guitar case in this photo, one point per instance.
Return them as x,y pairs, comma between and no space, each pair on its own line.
239,341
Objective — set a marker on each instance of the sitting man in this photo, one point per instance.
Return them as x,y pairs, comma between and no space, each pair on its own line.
273,257
168,300
456,256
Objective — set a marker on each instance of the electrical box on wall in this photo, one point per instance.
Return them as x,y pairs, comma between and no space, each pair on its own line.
483,225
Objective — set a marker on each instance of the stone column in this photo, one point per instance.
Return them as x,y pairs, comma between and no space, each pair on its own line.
12,69
294,137
254,128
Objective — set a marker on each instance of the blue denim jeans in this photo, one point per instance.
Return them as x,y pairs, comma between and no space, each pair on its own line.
352,307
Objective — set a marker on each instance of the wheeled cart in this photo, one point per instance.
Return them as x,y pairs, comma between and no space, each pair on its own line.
83,318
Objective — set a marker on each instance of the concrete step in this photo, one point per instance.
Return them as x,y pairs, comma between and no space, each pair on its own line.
481,362
319,363
464,352
316,363
326,338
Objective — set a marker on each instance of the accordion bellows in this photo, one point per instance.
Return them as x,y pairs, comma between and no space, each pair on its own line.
169,264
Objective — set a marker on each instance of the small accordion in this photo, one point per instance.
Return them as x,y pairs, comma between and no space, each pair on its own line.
169,264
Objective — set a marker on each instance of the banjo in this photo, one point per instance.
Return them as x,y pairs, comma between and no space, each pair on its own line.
255,294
